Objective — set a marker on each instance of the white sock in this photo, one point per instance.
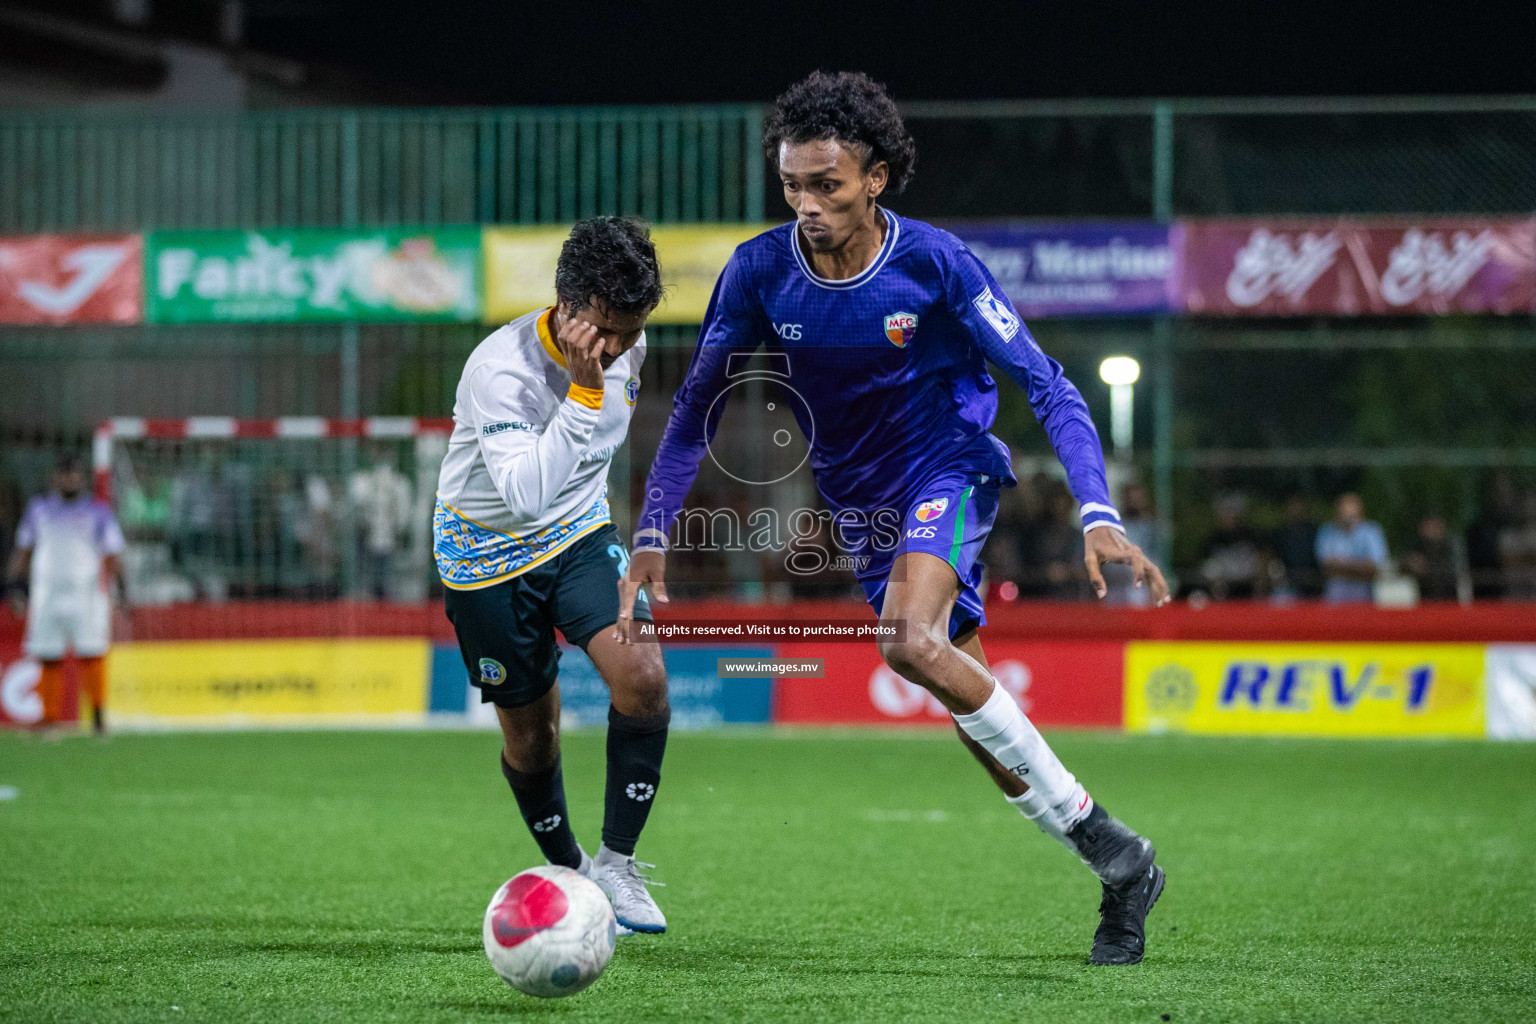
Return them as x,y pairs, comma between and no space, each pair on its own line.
1055,801
1059,819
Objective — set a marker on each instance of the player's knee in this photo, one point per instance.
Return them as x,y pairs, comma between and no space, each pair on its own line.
643,692
915,655
531,746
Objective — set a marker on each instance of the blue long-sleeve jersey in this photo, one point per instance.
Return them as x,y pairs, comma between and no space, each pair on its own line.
891,366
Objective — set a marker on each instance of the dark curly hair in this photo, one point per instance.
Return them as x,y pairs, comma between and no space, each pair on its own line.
850,107
610,262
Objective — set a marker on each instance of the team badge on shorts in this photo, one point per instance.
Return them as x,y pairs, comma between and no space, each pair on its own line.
631,390
899,328
491,671
931,509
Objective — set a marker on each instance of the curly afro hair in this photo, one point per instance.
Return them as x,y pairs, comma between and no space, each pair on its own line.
850,107
610,262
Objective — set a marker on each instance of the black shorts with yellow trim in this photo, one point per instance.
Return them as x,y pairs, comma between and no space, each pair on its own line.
506,631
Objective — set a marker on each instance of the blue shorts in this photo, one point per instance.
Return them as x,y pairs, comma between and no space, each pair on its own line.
950,519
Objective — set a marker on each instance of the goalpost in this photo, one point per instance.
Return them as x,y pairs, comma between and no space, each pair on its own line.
219,510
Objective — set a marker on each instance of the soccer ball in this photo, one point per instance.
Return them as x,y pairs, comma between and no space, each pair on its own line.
549,931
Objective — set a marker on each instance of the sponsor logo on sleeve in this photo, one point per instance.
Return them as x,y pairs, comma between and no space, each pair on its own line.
996,313
631,390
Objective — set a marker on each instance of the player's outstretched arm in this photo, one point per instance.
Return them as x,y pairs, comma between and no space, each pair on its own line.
1107,544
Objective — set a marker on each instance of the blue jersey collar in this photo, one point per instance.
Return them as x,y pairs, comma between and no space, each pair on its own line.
892,229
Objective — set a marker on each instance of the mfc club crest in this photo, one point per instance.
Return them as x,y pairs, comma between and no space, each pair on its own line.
932,509
899,328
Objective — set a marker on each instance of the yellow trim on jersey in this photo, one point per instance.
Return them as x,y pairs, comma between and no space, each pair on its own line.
546,556
592,398
544,336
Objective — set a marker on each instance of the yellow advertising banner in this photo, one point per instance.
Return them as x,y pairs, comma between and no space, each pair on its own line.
520,267
1305,689
269,679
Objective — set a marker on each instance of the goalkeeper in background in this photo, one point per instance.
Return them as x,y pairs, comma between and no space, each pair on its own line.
68,555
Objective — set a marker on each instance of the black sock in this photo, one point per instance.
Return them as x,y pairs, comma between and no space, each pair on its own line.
541,798
635,749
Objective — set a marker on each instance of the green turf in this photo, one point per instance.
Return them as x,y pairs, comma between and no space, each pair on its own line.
341,877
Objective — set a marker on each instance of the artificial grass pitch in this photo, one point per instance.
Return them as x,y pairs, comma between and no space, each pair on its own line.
811,876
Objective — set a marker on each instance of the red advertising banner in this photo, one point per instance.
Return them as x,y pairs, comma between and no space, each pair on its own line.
1357,268
19,701
1057,683
72,279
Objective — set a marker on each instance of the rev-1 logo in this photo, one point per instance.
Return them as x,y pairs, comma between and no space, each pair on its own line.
789,332
1296,685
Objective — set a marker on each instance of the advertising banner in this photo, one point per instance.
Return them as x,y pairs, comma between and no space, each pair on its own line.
71,279
1512,691
268,680
283,276
1305,689
1065,683
1078,269
699,697
1351,268
20,703
520,267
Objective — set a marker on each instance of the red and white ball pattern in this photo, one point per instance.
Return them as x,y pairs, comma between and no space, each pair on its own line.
549,931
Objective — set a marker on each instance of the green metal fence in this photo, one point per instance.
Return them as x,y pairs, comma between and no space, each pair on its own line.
330,168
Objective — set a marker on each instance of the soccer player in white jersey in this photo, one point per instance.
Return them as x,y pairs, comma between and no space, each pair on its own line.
67,557
526,546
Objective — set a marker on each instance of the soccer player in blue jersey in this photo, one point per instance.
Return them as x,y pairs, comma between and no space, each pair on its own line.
888,324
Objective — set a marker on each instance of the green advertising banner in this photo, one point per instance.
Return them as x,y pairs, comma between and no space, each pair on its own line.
279,276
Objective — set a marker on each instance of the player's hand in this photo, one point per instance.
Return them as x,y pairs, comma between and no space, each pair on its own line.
647,568
583,351
1106,544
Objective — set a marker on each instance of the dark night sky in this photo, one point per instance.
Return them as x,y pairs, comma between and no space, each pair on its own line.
453,51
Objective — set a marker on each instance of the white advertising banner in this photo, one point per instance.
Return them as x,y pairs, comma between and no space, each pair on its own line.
1511,681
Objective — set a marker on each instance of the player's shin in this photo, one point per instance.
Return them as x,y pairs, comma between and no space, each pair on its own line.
635,749
1055,801
541,799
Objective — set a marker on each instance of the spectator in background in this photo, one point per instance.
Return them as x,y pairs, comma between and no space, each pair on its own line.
1352,551
1233,562
1061,547
1141,530
1517,551
1485,559
1295,548
381,497
1436,561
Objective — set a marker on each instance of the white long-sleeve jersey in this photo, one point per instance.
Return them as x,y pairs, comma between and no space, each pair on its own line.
526,473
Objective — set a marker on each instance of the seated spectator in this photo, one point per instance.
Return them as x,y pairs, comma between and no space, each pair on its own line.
1352,551
1436,561
1233,561
1295,547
